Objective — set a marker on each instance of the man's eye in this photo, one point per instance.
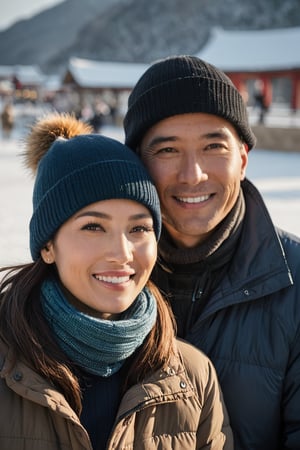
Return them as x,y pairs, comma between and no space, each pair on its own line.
164,151
215,145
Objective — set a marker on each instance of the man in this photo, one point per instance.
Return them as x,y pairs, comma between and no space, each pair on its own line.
231,277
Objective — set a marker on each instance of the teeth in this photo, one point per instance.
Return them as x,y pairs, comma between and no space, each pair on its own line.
113,280
193,199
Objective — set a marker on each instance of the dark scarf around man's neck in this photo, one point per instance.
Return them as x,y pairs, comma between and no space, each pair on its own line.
198,270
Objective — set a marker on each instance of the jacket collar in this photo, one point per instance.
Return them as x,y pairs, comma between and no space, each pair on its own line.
259,260
165,385
260,255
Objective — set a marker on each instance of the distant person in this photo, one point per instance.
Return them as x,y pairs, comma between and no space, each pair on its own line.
232,278
261,101
101,111
87,347
96,121
7,120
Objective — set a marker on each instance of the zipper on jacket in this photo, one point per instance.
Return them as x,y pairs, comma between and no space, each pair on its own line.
200,297
196,297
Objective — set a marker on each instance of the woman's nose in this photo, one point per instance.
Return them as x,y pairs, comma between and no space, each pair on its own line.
121,249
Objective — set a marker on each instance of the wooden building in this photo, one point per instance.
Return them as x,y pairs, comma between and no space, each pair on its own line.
108,81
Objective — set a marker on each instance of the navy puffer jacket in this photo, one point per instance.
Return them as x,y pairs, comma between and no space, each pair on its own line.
250,328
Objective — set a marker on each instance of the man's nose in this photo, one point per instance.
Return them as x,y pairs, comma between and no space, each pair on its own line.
192,171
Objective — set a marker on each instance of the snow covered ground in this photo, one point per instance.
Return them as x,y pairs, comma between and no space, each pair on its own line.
276,174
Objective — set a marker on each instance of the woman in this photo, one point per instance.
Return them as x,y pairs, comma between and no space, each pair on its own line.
87,348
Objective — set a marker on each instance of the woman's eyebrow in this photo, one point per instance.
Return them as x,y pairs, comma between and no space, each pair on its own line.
102,215
97,214
140,216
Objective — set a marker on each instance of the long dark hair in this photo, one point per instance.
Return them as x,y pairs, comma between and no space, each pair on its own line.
25,330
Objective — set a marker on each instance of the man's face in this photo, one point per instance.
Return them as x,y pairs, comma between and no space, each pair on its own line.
197,162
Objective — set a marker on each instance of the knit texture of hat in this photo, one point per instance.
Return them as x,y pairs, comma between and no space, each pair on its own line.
82,170
180,85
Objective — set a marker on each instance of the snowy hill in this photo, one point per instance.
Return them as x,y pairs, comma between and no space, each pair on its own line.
133,31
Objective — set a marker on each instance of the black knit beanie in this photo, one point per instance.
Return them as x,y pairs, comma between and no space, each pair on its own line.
179,85
76,172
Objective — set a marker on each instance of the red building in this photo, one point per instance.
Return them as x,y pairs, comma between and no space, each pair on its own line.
271,56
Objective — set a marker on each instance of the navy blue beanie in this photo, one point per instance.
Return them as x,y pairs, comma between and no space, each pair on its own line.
179,85
76,172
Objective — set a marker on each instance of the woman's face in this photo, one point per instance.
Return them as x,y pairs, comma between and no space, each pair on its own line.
104,255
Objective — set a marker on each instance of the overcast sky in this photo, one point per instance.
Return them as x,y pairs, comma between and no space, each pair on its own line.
14,10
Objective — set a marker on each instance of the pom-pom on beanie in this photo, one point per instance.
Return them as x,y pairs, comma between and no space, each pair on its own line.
73,172
179,85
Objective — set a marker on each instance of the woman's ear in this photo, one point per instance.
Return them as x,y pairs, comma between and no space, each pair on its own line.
47,253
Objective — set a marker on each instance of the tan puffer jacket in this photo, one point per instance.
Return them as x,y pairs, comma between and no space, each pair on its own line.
177,409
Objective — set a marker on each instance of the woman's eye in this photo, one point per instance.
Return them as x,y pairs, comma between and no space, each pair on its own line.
92,227
142,229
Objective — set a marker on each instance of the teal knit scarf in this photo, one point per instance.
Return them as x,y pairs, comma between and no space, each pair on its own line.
98,346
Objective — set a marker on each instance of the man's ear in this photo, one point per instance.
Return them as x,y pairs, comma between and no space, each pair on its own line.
244,156
47,253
